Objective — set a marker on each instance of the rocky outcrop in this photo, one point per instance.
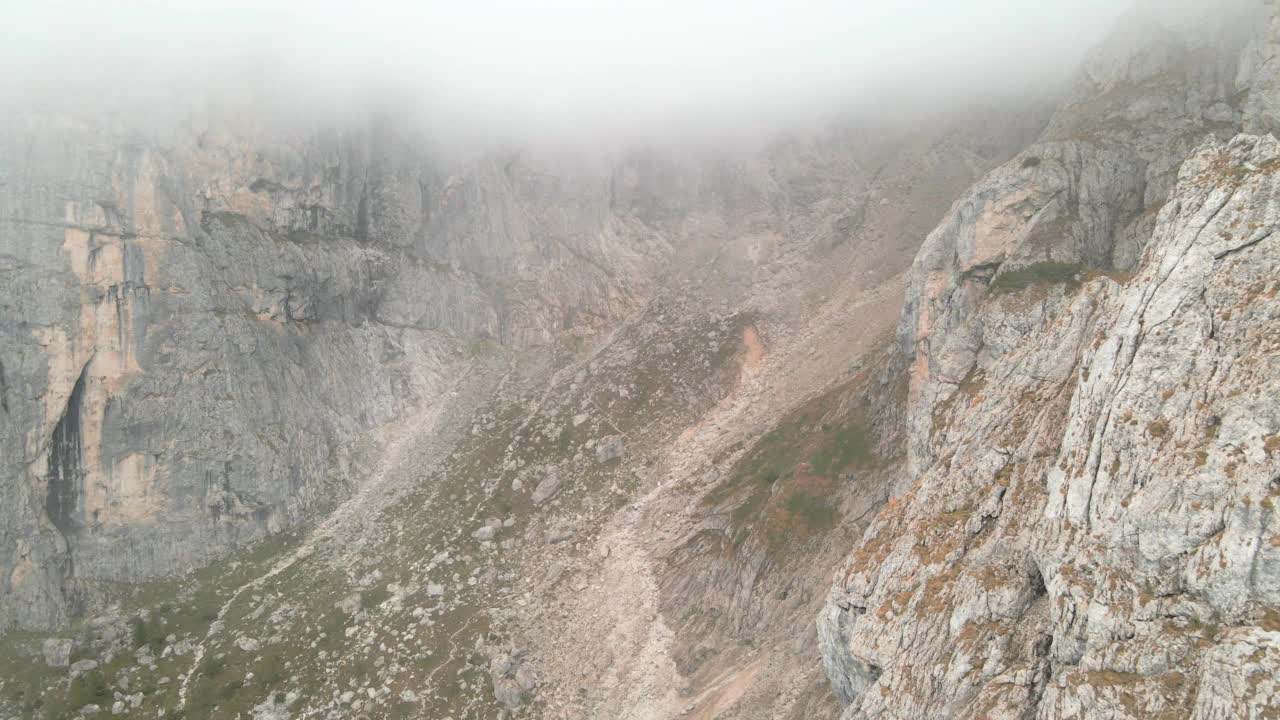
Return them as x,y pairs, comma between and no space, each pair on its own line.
1084,198
1087,529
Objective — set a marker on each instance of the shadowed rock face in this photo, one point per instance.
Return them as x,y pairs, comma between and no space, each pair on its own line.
65,458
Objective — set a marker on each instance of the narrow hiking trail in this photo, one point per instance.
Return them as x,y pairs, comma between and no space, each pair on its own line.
399,464
404,435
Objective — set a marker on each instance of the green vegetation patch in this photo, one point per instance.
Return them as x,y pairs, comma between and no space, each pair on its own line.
1043,273
91,688
782,489
841,447
148,631
214,693
154,610
226,218
811,513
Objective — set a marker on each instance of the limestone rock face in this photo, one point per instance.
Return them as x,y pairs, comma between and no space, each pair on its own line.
1099,532
198,327
186,357
1084,198
1086,525
1091,526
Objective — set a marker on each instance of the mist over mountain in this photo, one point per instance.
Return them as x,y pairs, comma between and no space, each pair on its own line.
639,360
564,70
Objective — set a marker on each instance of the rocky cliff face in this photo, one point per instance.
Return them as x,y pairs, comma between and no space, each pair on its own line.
199,324
203,322
1087,528
198,327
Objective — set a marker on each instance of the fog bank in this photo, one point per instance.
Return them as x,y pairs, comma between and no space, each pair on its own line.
504,70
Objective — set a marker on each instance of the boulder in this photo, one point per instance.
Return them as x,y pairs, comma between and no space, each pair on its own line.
57,652
546,488
609,449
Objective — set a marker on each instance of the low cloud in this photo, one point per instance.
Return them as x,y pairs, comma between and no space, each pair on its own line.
504,70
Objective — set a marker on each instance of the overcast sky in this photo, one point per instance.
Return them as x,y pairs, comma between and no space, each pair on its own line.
505,65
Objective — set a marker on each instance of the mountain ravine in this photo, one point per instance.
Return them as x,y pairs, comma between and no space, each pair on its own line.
972,416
